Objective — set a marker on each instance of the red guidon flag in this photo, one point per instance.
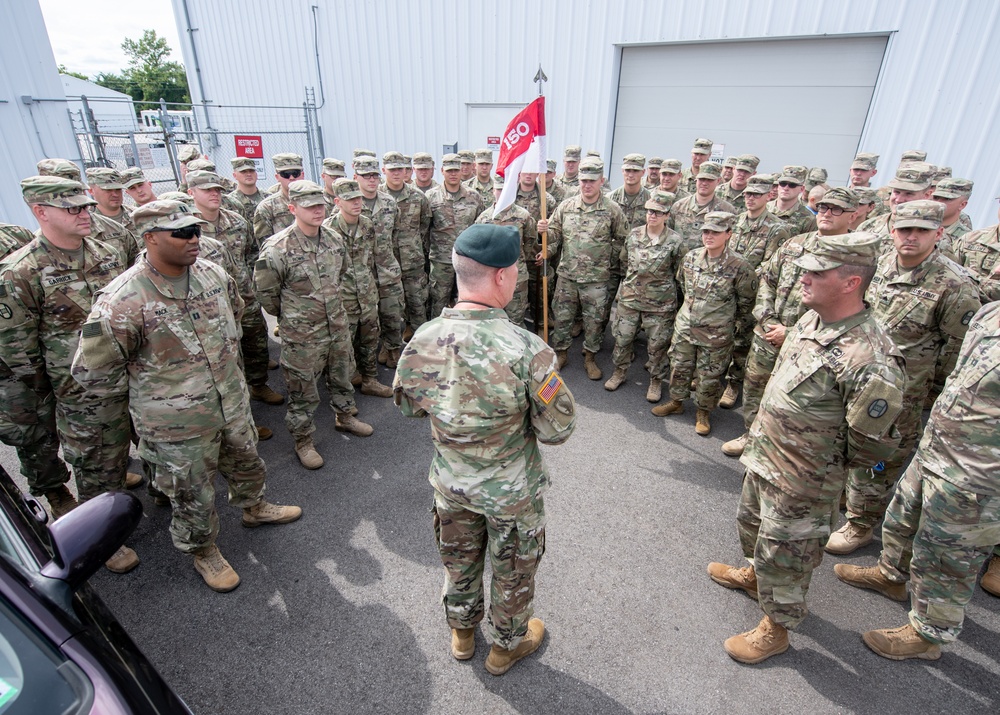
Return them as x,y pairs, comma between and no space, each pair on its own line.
522,148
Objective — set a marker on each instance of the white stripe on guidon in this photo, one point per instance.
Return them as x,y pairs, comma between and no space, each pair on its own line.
531,161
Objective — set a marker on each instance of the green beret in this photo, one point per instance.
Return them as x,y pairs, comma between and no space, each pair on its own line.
489,244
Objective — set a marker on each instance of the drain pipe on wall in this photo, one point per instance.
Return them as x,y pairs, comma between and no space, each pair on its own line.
197,73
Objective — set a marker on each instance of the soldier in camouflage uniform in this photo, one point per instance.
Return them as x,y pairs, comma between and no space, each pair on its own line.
728,169
492,391
908,156
866,204
185,155
48,287
272,214
552,185
137,186
467,164
744,166
205,164
453,209
923,300
945,515
789,206
423,170
719,288
979,252
911,183
246,197
688,214
700,153
298,278
590,230
183,382
779,305
333,169
529,197
482,182
830,406
954,194
631,196
817,177
652,180
648,298
863,168
569,180
106,186
526,225
670,179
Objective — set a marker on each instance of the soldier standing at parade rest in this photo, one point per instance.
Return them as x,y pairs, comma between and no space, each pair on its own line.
830,406
492,391
165,335
789,206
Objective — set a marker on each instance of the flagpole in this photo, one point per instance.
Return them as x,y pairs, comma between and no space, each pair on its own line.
540,79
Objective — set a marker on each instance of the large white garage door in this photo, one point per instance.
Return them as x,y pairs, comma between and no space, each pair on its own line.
800,101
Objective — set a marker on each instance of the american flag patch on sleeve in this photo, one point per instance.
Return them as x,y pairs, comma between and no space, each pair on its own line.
550,387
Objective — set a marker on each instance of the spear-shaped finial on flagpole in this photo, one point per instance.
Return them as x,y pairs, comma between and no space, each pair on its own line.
540,79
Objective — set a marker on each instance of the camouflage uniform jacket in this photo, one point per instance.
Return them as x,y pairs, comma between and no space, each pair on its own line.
959,443
569,184
756,239
727,193
591,237
451,214
492,392
424,189
688,181
718,297
45,296
271,216
13,237
965,220
798,218
946,244
358,286
518,217
881,226
211,249
114,234
410,242
921,309
634,207
485,191
531,201
558,193
123,217
176,355
384,216
779,296
235,234
298,280
979,252
245,206
650,264
829,406
687,216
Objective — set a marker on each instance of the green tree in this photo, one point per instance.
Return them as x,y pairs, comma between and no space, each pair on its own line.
149,75
78,75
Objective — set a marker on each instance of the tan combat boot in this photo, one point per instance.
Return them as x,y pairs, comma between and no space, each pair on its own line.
463,643
218,574
991,579
735,447
383,355
674,407
264,433
593,371
730,396
346,422
901,644
264,393
872,578
616,380
744,579
307,454
562,359
393,358
655,391
132,480
576,329
356,378
266,513
123,560
701,424
371,386
61,501
848,539
767,639
272,364
407,333
500,660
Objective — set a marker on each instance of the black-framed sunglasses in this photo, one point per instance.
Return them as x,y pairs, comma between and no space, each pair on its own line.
290,174
186,233
786,184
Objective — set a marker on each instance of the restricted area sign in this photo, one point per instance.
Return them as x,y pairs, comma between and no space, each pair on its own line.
250,147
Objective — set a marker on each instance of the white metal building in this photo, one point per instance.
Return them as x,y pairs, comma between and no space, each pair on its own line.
113,111
794,81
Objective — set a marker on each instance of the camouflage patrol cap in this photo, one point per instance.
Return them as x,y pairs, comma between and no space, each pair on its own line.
718,221
287,162
849,249
654,162
550,166
702,146
451,161
953,188
759,184
912,176
866,195
305,193
55,191
591,168
490,244
573,152
913,155
188,152
817,175
201,164
334,167
729,161
104,178
409,161
866,161
132,176
672,166
660,201
59,167
943,172
242,163
423,160
484,156
635,162
346,189
393,160
204,180
365,165
362,152
709,170
466,156
840,196
164,215
920,214
177,196
793,174
747,162
497,181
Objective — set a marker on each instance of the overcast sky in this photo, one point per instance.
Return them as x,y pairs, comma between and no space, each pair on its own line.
86,35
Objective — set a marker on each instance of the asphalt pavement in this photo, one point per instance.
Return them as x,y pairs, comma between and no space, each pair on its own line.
340,612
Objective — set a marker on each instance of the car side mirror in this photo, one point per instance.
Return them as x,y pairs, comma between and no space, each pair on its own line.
86,537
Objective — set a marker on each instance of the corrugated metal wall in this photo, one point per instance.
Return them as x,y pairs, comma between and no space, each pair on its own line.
399,73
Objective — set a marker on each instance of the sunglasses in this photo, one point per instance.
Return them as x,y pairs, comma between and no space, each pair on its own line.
786,184
293,174
186,233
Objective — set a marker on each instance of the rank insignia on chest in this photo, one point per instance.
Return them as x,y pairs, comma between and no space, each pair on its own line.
550,387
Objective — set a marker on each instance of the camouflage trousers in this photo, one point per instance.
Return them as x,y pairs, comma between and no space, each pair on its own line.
364,333
95,443
741,351
185,471
869,490
28,423
415,297
937,535
613,282
442,287
659,329
592,298
759,366
783,537
253,346
515,546
304,365
707,364
518,304
390,319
